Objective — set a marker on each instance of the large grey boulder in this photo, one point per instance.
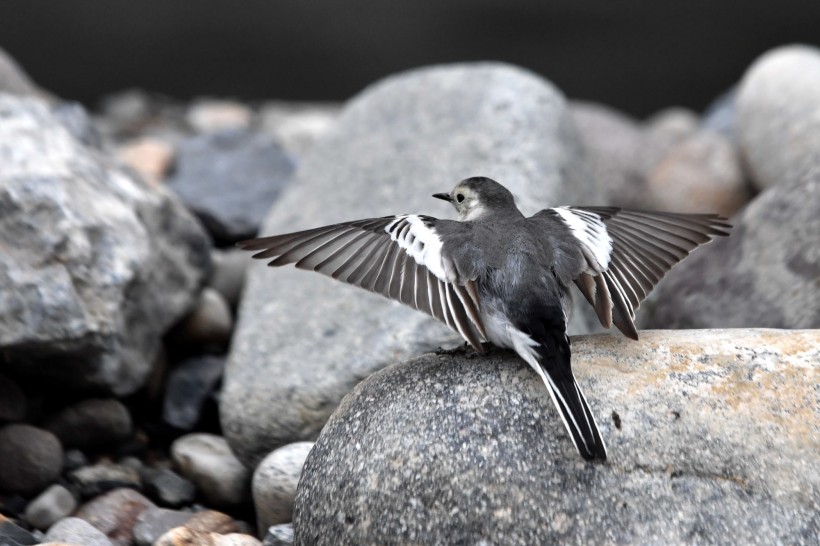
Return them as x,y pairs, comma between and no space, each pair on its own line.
764,275
302,340
778,116
95,264
712,439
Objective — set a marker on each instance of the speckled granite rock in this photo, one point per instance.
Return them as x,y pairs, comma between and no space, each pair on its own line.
97,264
712,437
778,116
394,145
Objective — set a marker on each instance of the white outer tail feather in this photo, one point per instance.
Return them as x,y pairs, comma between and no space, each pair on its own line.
524,345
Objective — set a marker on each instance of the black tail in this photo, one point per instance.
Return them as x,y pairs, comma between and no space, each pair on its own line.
554,359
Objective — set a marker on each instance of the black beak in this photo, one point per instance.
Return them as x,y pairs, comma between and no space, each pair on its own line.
443,197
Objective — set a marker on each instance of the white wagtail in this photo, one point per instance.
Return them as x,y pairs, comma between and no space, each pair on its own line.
499,276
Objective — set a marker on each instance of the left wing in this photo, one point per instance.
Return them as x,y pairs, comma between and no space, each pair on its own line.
399,257
626,253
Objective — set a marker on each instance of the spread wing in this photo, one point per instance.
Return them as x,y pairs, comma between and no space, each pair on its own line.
627,253
399,257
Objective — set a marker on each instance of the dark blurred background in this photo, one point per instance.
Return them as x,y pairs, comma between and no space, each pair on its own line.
636,56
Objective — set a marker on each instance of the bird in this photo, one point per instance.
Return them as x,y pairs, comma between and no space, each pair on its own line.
498,276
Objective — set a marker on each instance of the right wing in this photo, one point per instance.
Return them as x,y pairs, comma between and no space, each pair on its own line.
628,252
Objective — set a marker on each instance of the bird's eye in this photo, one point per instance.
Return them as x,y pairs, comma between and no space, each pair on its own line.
459,197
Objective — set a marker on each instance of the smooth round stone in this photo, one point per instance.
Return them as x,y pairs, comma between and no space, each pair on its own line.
77,531
92,424
207,460
778,116
209,324
32,458
700,174
663,131
51,505
458,449
228,277
274,484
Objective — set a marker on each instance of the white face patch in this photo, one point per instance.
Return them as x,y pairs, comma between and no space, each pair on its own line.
472,213
591,233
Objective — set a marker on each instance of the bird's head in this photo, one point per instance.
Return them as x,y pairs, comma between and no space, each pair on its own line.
478,196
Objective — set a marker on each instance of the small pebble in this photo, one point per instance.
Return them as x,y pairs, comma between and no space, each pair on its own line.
189,385
115,513
77,531
32,458
91,481
274,484
154,522
211,521
210,324
150,157
208,462
186,536
279,535
92,424
168,488
74,459
51,505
